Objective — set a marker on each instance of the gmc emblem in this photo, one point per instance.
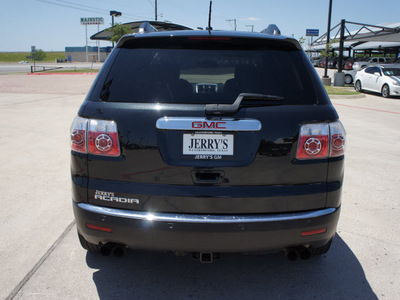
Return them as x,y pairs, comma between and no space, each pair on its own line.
208,125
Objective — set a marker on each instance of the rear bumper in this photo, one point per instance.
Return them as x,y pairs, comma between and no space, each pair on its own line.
205,233
394,90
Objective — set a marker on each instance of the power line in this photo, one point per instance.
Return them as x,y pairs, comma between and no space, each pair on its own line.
151,3
88,8
63,5
78,4
128,7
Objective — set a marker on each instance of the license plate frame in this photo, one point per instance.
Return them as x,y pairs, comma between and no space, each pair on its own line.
208,145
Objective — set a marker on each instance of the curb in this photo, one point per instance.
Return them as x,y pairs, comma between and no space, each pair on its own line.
347,96
93,73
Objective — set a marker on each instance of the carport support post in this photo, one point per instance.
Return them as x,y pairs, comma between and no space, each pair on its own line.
339,76
325,79
341,44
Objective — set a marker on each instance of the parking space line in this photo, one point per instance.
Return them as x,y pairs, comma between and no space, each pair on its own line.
40,262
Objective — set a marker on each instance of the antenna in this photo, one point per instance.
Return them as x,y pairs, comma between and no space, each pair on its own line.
209,17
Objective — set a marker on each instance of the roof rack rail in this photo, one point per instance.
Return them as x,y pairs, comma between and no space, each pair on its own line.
146,27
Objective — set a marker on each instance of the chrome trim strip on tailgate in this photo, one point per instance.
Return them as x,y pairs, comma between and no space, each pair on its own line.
206,219
200,124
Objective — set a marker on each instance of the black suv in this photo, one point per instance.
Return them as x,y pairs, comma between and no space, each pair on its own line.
207,142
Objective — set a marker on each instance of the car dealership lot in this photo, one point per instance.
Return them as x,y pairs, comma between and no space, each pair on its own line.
42,258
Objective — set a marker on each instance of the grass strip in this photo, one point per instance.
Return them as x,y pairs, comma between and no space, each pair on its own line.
21,56
345,91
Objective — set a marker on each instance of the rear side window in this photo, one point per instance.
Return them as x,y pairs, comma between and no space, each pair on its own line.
202,76
369,70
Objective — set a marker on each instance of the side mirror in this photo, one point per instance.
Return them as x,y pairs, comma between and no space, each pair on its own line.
377,74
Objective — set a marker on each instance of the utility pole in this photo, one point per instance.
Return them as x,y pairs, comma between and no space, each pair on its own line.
250,26
234,22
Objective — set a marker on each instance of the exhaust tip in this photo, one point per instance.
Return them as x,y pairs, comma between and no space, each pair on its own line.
305,253
119,250
291,254
106,250
206,257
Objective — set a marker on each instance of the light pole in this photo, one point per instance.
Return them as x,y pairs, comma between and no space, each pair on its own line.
328,37
155,10
114,13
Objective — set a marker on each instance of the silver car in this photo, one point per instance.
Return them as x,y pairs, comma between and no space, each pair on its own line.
358,65
383,79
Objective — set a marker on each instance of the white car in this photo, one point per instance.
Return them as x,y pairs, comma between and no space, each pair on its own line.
358,65
383,79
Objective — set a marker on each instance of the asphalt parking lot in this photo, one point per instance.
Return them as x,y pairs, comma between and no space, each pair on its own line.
40,256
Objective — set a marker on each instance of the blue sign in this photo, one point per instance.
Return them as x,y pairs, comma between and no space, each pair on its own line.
312,32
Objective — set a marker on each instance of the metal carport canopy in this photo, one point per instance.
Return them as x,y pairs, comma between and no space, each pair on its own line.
386,32
334,46
386,37
105,34
377,45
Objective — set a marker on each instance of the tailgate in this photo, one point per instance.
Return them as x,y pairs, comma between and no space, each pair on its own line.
177,160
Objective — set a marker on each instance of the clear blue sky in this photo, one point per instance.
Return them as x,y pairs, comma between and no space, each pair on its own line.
55,24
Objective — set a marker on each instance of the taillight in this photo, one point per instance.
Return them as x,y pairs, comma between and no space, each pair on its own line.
313,141
98,137
337,138
321,140
78,135
103,138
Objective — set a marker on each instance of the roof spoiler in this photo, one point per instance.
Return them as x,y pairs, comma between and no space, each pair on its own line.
146,27
272,29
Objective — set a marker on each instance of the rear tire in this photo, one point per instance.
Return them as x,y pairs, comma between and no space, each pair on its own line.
357,86
88,246
385,91
348,79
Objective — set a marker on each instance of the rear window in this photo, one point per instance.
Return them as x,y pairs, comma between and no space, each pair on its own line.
203,76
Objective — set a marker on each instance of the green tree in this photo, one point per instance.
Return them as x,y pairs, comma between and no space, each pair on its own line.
39,54
329,53
119,30
302,40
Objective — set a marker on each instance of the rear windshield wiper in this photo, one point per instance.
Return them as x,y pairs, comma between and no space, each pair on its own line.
243,100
